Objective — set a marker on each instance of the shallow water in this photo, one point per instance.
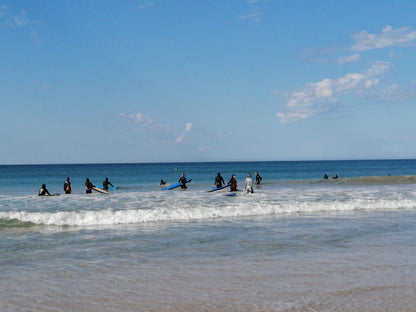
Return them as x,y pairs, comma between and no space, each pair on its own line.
293,245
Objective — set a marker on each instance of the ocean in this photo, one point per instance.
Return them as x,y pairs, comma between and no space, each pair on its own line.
298,243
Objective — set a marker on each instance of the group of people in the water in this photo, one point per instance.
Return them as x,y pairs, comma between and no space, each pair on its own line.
219,182
334,177
43,191
248,183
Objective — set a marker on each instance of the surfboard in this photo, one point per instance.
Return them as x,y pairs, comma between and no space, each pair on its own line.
230,194
175,185
56,194
113,187
219,188
99,190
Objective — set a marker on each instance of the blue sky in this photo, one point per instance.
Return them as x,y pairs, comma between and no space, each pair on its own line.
186,80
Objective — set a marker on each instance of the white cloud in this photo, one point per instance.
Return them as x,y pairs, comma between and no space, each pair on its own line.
348,59
162,131
146,5
188,126
143,120
254,16
389,37
19,19
44,85
317,98
181,137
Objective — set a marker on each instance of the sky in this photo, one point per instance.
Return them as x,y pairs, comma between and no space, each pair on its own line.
106,81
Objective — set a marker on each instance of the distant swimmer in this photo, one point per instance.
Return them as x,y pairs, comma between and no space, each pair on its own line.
162,182
258,178
44,191
248,185
219,180
233,184
67,187
88,186
335,176
325,177
106,183
182,181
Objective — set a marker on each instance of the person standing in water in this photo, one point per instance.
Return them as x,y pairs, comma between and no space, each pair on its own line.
183,181
219,180
233,184
88,186
67,187
258,178
43,191
248,185
106,183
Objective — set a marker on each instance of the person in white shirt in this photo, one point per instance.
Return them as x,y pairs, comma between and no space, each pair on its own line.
248,186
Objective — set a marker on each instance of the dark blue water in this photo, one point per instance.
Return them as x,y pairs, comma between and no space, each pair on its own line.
26,179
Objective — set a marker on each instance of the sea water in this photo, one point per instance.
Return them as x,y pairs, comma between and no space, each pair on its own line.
299,243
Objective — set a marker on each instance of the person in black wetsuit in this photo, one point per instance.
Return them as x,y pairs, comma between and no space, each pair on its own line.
106,183
233,182
67,187
219,180
88,186
258,178
183,181
162,182
43,191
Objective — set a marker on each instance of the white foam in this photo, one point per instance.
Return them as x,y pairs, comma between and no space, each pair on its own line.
131,208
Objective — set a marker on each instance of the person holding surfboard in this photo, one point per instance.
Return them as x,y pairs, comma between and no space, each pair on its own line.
219,180
106,183
67,187
88,186
43,191
183,181
233,184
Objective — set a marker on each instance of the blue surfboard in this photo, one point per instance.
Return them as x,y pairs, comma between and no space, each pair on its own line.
230,194
219,188
175,185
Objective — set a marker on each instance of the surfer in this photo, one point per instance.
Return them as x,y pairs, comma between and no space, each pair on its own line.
248,185
335,176
88,186
106,183
219,180
162,182
325,177
233,184
182,181
43,191
258,178
67,187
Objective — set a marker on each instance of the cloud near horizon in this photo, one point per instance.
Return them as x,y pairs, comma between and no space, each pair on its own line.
155,127
317,98
389,37
181,137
